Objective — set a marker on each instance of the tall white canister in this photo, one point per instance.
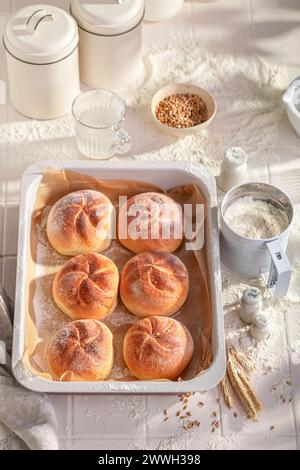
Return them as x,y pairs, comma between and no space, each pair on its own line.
160,10
41,43
110,42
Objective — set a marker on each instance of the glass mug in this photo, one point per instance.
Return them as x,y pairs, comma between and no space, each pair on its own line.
98,116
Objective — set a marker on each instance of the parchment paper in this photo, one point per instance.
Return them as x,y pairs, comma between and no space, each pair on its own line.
44,318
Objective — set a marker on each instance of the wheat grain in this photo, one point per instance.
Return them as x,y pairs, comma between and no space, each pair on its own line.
181,111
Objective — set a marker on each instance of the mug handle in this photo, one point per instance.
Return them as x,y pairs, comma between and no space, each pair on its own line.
279,277
123,143
2,353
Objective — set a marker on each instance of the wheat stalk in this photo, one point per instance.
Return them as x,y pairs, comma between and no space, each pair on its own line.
251,393
241,360
241,390
238,359
237,380
226,392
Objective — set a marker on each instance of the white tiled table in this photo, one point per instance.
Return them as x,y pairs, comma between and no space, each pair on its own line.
271,29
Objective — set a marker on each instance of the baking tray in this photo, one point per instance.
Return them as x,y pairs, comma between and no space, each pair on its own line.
166,175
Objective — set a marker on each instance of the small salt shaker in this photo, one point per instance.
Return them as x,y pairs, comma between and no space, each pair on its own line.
251,304
260,328
233,169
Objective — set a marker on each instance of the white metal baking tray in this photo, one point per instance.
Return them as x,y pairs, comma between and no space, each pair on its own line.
165,175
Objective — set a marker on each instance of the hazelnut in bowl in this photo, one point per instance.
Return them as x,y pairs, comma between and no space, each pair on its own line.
182,109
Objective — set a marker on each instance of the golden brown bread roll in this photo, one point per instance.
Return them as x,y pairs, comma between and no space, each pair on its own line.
157,348
154,283
81,349
150,221
87,287
80,222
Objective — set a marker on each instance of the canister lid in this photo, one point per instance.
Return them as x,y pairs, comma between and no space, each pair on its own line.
107,17
40,34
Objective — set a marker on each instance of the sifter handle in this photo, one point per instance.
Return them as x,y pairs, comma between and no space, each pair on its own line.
280,272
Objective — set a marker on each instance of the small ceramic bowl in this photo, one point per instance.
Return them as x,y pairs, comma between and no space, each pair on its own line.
183,89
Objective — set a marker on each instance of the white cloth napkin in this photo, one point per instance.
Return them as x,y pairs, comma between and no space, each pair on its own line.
27,419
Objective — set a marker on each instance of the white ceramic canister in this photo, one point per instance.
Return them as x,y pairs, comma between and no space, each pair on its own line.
110,42
291,99
252,258
41,43
160,10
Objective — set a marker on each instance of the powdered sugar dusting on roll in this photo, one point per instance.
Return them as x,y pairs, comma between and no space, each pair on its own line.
83,348
154,283
80,222
150,221
86,286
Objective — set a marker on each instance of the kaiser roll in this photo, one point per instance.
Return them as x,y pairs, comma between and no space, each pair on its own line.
157,348
87,287
82,348
150,221
154,283
80,222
